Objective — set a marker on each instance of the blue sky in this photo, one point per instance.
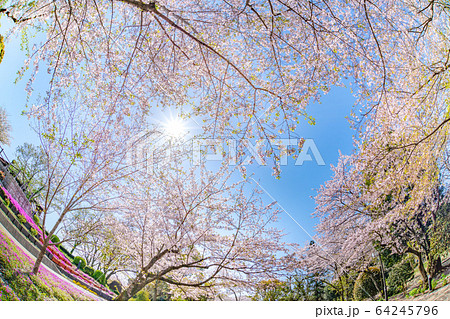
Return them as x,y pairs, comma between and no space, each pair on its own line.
13,97
293,191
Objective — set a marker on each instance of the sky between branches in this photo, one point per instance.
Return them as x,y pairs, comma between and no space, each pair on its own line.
293,191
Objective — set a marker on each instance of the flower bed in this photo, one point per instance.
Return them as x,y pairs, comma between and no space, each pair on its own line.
57,256
16,282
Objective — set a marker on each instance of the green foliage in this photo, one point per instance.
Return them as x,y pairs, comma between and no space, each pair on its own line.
7,294
55,239
142,295
2,48
22,284
440,240
66,252
368,284
310,288
294,288
330,293
398,276
389,258
444,279
39,283
34,232
29,167
16,282
102,279
414,292
341,288
24,287
97,274
61,295
271,290
160,291
434,283
36,219
21,219
89,270
79,261
4,262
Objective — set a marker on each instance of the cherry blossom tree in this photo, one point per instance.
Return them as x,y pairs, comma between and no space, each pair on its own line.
249,69
199,233
246,68
85,158
400,153
385,194
95,239
28,167
5,128
343,243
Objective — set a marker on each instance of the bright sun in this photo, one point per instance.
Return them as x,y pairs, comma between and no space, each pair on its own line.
174,127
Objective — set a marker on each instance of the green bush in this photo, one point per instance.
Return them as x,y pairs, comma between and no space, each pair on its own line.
3,200
444,279
368,284
97,274
36,219
34,232
66,252
398,276
21,219
79,261
433,284
89,270
142,295
55,239
102,279
414,292
2,193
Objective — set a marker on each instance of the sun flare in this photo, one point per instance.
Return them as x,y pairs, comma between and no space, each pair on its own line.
175,127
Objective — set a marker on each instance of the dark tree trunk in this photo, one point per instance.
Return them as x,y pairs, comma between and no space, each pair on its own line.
137,285
423,272
41,255
386,297
155,291
434,266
